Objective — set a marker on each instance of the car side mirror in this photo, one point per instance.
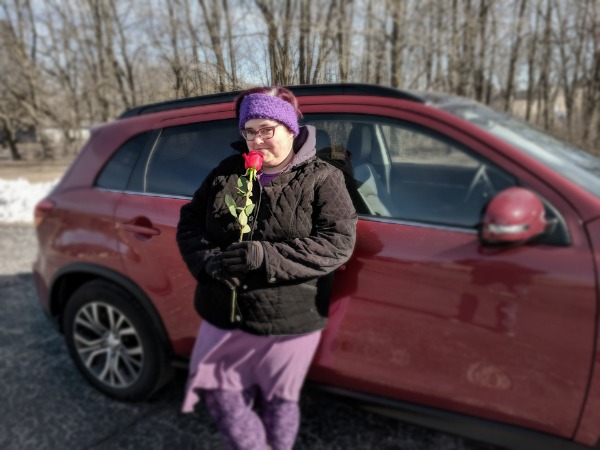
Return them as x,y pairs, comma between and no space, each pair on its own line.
514,216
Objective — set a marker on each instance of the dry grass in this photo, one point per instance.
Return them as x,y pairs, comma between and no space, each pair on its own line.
31,167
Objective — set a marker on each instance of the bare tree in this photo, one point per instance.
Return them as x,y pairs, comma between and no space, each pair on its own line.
315,40
397,39
21,37
374,57
479,73
11,122
213,14
344,17
514,54
90,66
278,17
545,66
570,41
591,85
11,116
532,55
124,70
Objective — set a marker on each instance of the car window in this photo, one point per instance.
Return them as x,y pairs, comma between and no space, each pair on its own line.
117,170
408,172
183,156
573,163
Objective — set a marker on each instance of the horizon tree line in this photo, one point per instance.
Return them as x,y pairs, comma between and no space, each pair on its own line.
68,64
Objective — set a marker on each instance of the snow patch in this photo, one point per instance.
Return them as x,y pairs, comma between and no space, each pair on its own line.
19,197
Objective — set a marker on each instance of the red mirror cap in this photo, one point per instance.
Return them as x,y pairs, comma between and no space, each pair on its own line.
514,215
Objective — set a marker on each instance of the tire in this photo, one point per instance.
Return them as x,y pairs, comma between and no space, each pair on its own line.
112,344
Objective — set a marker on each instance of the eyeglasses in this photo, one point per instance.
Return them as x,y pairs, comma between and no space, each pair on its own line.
263,133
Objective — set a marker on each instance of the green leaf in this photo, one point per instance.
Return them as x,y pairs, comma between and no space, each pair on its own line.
230,202
249,208
242,218
245,229
243,183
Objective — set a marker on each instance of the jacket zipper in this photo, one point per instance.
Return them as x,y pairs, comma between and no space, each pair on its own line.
254,213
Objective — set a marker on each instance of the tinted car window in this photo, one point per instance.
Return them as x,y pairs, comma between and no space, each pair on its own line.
115,173
408,172
183,156
573,163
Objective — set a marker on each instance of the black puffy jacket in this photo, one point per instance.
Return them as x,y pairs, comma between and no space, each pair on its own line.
306,223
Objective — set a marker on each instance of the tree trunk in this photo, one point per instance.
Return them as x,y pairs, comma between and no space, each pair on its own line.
304,42
398,41
344,25
514,56
325,42
9,138
440,82
14,151
466,62
545,87
532,62
453,59
489,87
212,20
231,54
479,74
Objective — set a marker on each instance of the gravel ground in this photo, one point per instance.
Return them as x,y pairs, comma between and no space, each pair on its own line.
46,404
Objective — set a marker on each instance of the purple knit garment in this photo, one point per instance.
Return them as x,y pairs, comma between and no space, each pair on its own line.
266,178
263,106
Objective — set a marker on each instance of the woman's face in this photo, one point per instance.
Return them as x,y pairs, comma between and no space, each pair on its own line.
275,150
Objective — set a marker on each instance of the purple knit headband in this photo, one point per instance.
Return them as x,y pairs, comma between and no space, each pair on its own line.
263,106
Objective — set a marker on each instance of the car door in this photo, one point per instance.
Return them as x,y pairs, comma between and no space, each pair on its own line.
423,312
164,179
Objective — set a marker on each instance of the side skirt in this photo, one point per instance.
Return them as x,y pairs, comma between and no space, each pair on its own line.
509,436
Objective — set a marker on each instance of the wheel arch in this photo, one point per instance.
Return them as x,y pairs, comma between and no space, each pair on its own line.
69,278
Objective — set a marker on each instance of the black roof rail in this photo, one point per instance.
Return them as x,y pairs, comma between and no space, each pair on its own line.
298,90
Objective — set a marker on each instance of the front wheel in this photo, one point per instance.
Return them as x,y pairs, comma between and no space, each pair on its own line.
111,342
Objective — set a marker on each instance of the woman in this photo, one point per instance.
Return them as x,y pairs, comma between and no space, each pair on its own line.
302,228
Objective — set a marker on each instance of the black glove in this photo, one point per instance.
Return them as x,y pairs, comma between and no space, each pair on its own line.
242,257
215,269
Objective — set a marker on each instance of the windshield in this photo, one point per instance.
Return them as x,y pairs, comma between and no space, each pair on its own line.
573,163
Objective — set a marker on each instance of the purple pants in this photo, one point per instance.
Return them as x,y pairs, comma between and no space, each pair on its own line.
236,371
276,423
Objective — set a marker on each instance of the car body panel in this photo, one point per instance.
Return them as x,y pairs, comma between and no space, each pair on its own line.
81,229
433,318
153,262
587,432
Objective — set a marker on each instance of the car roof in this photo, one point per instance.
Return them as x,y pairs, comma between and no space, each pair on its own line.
298,90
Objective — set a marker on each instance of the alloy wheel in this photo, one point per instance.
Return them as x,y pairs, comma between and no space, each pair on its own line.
108,344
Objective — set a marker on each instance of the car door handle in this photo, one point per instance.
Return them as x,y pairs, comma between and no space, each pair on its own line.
147,230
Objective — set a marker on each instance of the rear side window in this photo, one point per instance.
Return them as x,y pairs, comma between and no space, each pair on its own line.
183,156
117,170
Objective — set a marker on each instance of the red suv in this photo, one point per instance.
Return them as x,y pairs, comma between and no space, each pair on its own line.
470,303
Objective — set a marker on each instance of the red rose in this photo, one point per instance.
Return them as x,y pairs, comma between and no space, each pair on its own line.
253,159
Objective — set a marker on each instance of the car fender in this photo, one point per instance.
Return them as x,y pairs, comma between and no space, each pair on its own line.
60,290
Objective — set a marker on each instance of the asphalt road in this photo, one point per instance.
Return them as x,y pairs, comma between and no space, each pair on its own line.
46,404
